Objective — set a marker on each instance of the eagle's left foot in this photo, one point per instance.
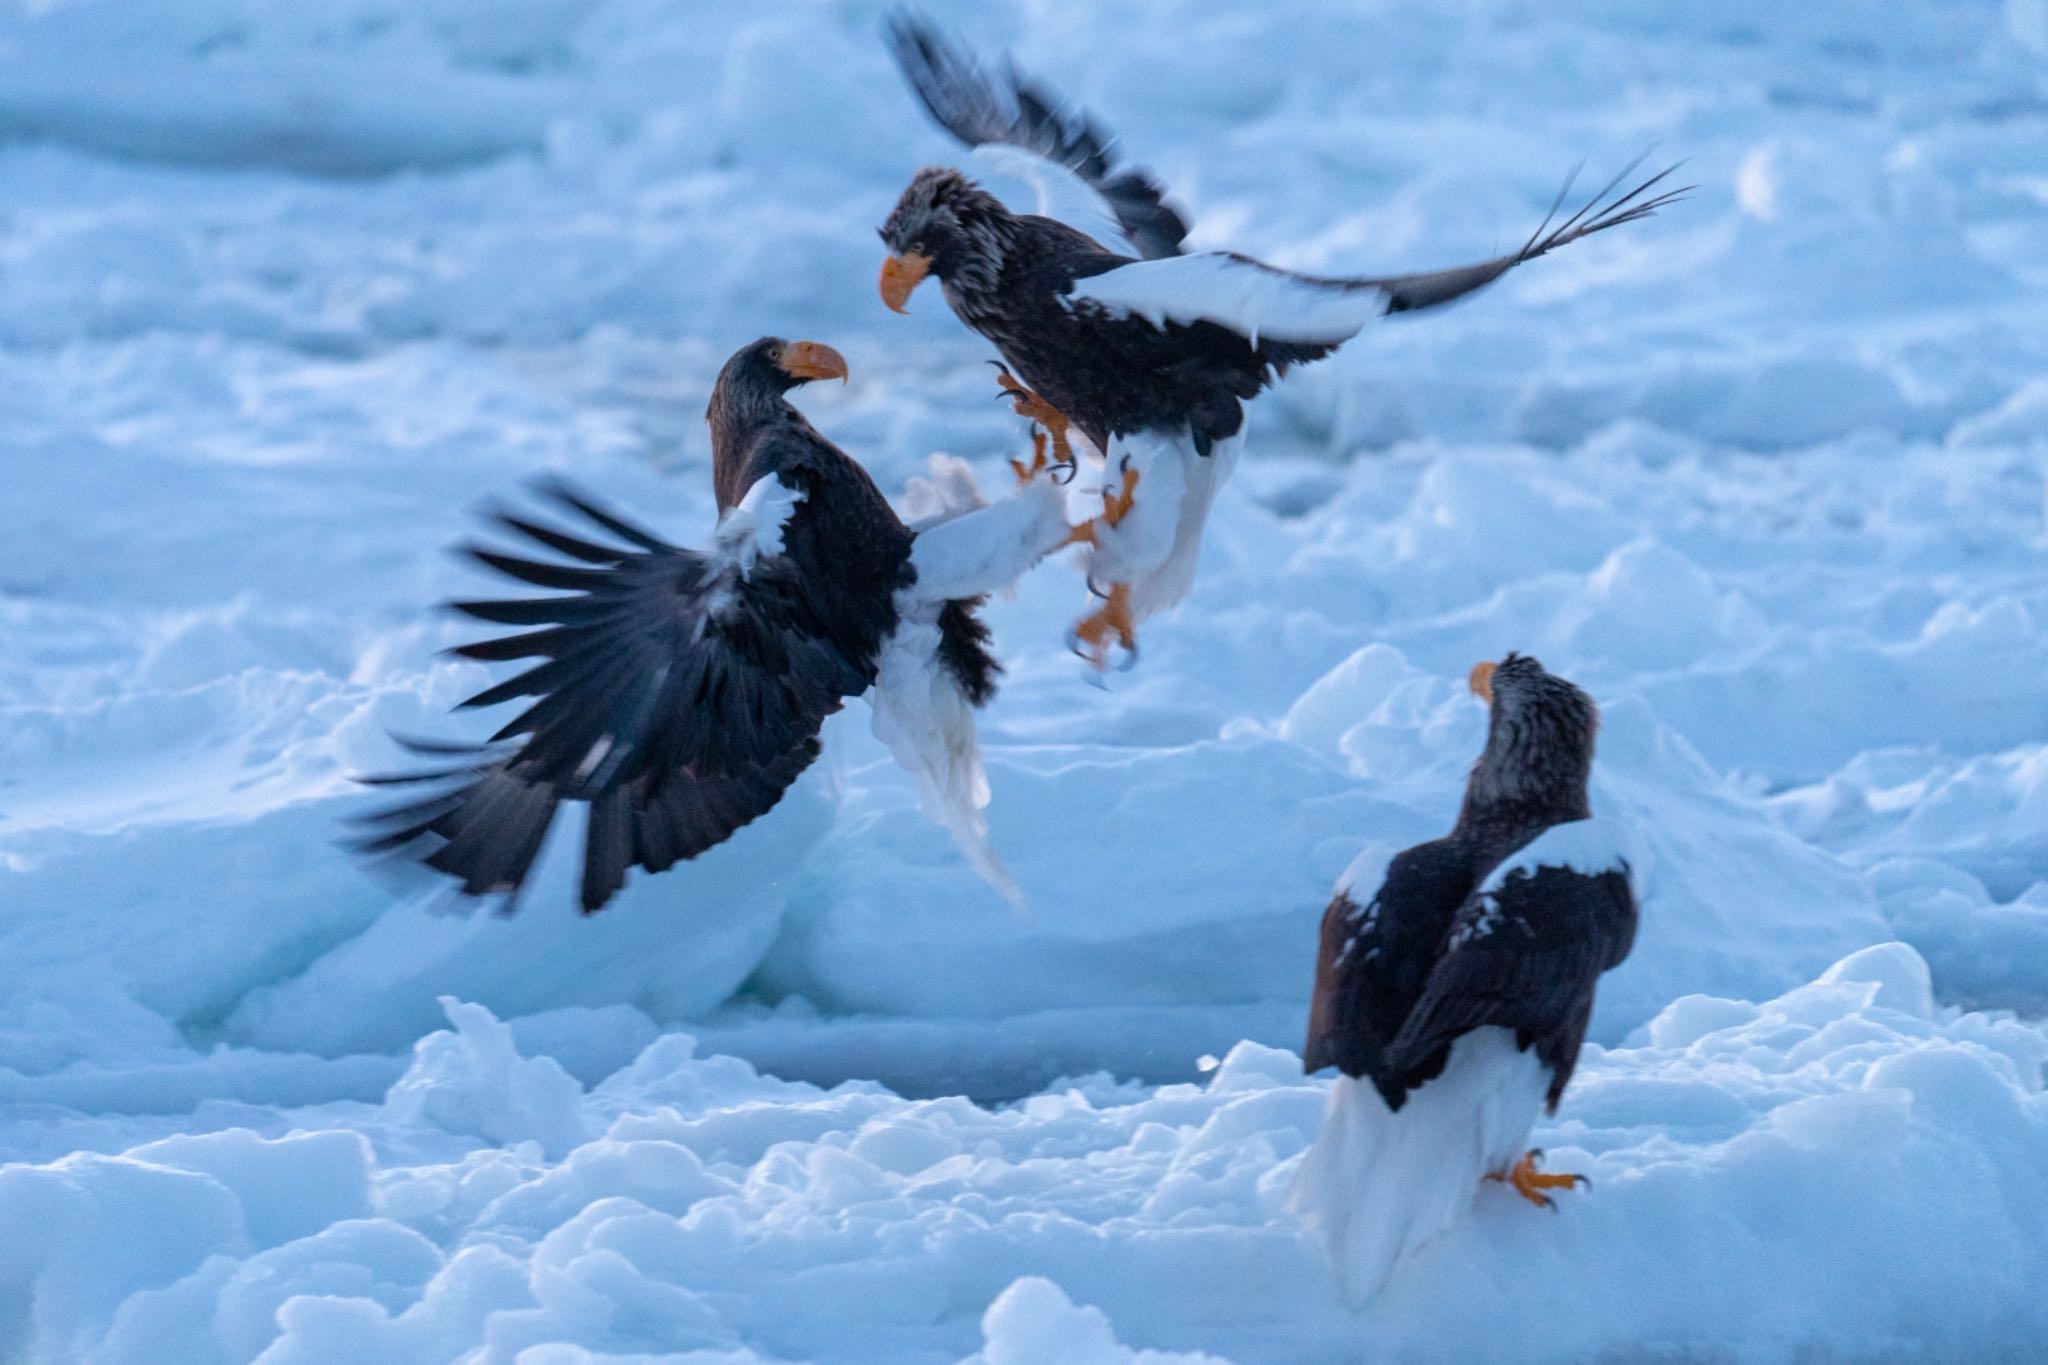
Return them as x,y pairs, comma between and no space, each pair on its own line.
1091,636
1530,1183
1115,507
1030,406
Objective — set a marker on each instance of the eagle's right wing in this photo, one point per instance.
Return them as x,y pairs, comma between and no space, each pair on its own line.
1264,302
1527,946
1017,129
678,693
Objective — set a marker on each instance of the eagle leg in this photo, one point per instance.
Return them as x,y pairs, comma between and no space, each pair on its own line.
1054,422
1027,472
1530,1183
1090,636
1115,507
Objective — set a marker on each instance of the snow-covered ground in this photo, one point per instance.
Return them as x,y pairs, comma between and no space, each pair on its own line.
286,291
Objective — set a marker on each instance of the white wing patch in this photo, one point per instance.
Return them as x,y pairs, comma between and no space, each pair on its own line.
746,535
987,548
1062,195
1484,920
752,531
1235,292
1589,847
947,489
1361,922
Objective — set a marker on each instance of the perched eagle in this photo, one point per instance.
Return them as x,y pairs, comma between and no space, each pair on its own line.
1454,997
681,692
1149,352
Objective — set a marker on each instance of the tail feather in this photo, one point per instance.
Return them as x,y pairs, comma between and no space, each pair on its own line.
924,712
1380,1184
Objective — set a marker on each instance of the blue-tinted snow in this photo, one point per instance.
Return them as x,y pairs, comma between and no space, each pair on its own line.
287,291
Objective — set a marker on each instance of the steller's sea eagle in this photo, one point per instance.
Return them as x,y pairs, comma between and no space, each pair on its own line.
679,692
1452,993
1116,332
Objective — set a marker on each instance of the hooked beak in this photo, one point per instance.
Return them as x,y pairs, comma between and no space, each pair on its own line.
900,275
813,360
1481,681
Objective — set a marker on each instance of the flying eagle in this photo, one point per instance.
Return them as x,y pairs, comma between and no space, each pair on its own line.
1113,330
680,692
1454,997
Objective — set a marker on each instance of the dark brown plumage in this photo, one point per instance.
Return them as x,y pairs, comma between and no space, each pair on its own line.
1405,969
678,692
1013,277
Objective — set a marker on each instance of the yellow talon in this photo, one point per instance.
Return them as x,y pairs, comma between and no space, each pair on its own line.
1114,618
1115,507
1029,405
1530,1182
1027,472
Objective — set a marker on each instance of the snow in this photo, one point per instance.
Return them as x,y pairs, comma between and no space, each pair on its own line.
290,291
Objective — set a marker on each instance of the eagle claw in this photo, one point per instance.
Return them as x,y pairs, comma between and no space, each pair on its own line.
1091,635
1530,1182
1029,405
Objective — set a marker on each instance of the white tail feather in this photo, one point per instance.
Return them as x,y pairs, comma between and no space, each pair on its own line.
924,717
1378,1185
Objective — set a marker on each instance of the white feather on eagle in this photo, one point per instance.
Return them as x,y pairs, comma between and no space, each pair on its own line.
965,547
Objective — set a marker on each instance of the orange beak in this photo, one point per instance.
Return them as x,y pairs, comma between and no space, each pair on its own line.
900,275
813,360
1481,682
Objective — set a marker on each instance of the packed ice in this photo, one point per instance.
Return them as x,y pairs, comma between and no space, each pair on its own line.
290,291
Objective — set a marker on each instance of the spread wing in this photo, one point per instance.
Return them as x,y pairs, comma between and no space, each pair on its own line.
1524,953
1262,301
679,693
1018,129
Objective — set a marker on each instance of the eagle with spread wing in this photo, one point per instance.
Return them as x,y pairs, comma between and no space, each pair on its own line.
680,692
1109,328
1453,989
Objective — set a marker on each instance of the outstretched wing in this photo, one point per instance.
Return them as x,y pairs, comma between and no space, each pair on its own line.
1261,301
1018,129
1524,953
486,814
678,693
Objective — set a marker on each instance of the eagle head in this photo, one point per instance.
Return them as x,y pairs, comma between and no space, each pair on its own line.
946,225
1539,738
761,373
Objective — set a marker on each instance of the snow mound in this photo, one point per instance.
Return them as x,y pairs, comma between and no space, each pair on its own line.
290,288
1769,1160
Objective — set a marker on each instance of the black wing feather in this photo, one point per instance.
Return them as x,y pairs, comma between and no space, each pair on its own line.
677,696
1408,293
1525,956
978,108
1374,959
